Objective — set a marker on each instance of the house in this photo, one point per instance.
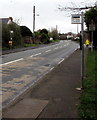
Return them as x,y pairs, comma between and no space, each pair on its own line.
27,38
7,20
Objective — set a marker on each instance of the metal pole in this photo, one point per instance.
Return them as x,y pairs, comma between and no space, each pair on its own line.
92,36
77,28
92,41
82,52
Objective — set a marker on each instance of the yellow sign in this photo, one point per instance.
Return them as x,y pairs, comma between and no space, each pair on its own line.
87,42
10,43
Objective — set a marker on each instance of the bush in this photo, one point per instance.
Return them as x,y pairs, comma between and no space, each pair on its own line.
6,35
44,36
25,31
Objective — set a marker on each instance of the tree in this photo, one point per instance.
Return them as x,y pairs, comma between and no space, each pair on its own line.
25,31
44,31
54,34
44,36
17,41
90,16
6,35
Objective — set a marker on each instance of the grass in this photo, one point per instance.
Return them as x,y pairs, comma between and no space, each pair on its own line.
88,100
25,45
30,45
53,41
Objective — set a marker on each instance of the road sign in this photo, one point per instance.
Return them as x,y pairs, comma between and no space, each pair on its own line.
10,43
91,27
76,18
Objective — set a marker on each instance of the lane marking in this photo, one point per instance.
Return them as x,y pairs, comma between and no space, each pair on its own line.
67,56
12,61
61,46
35,55
67,44
47,51
61,61
56,48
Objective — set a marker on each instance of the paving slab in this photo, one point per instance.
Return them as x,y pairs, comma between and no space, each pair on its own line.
26,108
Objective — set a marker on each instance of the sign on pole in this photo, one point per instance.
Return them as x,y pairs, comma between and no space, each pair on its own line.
79,19
76,19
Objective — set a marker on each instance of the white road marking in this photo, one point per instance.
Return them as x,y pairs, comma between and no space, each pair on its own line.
47,51
35,55
67,44
12,61
61,46
61,61
67,56
56,48
51,68
75,49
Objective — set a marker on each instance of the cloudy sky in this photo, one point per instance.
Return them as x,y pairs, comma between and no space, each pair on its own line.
49,14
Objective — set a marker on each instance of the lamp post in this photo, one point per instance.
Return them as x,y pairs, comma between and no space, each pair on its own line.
82,52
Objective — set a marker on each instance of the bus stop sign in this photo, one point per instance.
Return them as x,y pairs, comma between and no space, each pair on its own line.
76,18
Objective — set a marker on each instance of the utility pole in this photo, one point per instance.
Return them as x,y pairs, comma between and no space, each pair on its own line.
33,19
33,22
56,27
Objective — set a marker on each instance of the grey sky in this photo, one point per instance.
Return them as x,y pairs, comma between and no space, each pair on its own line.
49,15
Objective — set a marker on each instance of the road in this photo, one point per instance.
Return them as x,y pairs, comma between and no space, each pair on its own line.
23,69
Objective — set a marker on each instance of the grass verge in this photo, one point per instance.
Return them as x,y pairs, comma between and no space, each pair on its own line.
88,100
30,45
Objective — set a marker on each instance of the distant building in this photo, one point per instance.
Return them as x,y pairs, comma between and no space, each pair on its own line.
69,36
62,36
26,39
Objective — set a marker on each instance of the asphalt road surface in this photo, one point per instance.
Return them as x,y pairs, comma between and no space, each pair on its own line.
23,69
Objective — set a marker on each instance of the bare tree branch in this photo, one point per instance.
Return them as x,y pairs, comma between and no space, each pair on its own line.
75,8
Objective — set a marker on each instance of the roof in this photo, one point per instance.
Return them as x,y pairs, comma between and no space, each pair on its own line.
6,20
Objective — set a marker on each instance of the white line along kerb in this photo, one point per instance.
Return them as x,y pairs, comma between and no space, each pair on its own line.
61,61
11,61
35,55
56,48
48,51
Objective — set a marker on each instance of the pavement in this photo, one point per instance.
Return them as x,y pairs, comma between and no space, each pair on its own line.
54,96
